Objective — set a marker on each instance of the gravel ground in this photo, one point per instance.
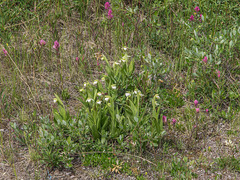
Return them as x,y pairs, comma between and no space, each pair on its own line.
215,147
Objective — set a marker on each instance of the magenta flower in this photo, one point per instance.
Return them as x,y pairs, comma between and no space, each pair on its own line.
5,52
205,59
42,42
56,45
107,5
174,121
196,9
122,24
218,73
197,110
77,59
196,103
164,118
110,16
206,110
191,18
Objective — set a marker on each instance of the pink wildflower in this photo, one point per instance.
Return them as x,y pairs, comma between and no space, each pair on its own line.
205,59
191,18
5,52
77,59
174,121
206,110
197,110
42,42
107,5
196,103
122,24
196,9
218,73
56,45
110,16
164,119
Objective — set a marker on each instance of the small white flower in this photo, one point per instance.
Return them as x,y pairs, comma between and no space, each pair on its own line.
127,94
114,86
116,63
136,91
157,96
81,90
95,82
141,94
99,94
55,100
103,57
103,79
124,48
85,84
229,143
107,98
89,100
99,102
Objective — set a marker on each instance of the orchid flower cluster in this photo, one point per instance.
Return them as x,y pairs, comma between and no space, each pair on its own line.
108,7
197,108
164,118
192,17
5,52
205,60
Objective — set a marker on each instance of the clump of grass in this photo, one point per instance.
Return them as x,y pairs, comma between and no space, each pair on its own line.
231,163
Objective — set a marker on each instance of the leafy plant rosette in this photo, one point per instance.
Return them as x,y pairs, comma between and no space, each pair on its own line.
116,108
59,140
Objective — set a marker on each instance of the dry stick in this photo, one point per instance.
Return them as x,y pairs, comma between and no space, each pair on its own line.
23,79
121,155
110,38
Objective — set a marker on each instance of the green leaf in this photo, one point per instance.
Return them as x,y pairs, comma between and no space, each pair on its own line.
131,67
231,44
58,100
155,144
136,119
195,74
222,41
69,140
195,34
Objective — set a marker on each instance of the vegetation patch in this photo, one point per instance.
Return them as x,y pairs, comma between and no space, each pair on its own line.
119,89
